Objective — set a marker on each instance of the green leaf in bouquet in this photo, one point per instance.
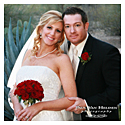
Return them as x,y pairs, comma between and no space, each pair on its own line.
19,98
33,85
34,101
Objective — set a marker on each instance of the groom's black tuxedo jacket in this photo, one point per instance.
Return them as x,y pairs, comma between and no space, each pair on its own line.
98,81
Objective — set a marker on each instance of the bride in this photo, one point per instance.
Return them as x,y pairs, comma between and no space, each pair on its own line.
46,63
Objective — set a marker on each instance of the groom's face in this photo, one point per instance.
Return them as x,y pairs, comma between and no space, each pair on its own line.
74,28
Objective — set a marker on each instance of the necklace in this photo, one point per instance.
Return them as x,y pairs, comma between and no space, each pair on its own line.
45,54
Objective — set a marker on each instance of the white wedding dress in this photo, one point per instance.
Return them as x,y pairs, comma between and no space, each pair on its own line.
51,85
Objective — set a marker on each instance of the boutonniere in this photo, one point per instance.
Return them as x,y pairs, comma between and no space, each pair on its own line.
85,57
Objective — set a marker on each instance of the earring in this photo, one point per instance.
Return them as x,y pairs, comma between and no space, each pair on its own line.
40,35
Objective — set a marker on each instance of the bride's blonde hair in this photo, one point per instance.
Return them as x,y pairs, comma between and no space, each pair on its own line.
50,17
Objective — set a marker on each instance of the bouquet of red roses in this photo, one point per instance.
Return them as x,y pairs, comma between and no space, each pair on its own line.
29,91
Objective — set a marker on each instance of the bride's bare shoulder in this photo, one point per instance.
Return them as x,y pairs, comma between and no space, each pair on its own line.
63,58
27,54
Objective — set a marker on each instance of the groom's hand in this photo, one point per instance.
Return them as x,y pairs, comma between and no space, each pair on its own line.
79,105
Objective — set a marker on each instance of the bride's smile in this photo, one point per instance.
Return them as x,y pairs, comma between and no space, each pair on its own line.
50,38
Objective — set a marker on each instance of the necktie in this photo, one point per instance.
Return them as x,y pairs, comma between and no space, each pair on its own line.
74,60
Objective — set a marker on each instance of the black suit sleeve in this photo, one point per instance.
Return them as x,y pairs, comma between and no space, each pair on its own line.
111,71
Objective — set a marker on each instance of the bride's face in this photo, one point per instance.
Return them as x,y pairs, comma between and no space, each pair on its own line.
51,33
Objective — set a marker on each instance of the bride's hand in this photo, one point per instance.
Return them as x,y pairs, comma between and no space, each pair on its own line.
28,113
17,109
11,93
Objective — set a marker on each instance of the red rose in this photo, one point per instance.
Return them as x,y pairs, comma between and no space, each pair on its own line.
41,88
34,94
29,90
19,91
16,92
37,94
85,56
41,96
21,84
36,86
25,96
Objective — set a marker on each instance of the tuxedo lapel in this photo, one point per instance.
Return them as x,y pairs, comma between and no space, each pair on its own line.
81,67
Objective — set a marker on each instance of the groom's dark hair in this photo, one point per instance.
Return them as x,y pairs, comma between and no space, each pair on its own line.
75,10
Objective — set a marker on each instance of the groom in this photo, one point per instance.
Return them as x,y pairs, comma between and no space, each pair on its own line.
98,76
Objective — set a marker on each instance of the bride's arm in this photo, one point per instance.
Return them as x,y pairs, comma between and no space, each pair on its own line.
69,87
16,105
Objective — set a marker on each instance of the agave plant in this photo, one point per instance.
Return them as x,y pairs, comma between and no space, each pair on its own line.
12,47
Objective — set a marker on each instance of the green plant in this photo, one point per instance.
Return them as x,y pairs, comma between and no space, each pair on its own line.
14,39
